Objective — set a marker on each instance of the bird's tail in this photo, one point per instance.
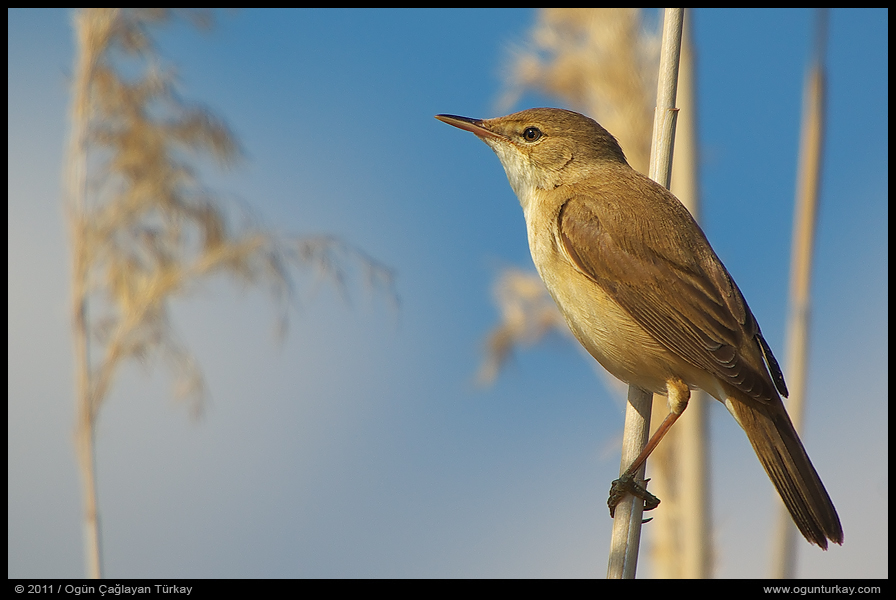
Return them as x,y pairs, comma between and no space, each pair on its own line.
788,466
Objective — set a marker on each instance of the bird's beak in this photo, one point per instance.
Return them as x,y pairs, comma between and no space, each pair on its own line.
476,126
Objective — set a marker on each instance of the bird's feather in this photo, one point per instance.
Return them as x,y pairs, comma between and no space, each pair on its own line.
686,300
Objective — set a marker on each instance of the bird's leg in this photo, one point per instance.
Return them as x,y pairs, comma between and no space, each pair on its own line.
678,394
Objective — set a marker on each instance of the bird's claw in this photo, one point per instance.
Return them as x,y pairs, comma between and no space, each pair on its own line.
627,485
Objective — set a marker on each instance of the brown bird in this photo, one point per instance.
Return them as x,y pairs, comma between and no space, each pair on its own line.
646,295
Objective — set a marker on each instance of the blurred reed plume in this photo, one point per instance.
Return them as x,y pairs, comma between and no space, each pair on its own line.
604,62
143,228
599,61
527,314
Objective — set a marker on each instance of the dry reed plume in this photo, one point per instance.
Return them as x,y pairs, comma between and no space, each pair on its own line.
144,230
602,62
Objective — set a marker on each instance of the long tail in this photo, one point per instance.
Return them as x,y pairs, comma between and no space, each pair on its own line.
788,466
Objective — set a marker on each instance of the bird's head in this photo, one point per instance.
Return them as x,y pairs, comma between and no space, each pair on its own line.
544,148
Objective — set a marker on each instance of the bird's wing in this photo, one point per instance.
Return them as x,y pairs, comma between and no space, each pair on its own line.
666,276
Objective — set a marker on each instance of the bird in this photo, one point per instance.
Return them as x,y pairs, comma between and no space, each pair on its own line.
642,290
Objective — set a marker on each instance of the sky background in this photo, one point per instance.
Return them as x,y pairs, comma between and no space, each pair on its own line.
362,446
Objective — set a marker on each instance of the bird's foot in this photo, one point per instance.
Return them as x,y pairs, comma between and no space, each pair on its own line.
627,485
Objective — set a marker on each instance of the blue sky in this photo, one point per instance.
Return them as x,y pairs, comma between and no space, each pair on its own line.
361,446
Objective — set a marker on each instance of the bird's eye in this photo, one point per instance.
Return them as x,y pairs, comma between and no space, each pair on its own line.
532,134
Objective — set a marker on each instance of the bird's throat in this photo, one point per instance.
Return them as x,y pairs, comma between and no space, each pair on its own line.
521,174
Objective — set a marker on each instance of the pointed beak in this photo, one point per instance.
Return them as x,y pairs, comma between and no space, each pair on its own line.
476,126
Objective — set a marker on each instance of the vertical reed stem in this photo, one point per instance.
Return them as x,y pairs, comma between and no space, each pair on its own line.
626,536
